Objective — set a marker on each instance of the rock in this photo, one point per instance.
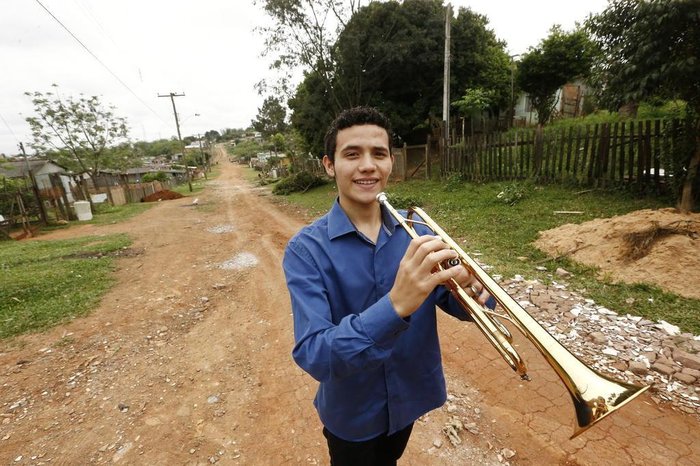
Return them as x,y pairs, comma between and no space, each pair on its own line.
562,273
691,361
685,378
668,328
662,368
639,368
598,338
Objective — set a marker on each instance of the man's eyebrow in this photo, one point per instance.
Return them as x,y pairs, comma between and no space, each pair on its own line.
358,146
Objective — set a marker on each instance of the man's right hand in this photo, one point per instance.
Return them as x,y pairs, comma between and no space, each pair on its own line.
415,279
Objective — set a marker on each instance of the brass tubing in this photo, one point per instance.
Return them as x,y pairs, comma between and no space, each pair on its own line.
594,395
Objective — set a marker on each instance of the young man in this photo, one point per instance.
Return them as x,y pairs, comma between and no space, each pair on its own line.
363,298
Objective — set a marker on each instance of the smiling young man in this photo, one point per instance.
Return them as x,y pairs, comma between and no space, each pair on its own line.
363,299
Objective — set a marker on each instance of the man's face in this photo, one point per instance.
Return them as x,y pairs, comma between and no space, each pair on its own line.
362,165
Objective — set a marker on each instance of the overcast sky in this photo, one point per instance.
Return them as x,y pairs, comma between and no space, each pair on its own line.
207,50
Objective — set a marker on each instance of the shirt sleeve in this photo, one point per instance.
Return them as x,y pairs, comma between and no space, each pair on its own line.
322,348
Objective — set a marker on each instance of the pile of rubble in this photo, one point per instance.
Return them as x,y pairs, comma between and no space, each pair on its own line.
627,347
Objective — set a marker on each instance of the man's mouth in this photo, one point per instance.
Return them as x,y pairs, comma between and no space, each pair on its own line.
366,182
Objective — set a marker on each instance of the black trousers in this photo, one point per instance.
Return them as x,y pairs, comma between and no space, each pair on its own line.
384,450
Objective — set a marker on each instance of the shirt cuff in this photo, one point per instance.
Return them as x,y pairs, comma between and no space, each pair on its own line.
381,322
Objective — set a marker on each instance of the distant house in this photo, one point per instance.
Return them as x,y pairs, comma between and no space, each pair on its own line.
196,145
569,101
41,169
135,175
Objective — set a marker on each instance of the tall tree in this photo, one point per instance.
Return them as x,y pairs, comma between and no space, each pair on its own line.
271,117
390,55
80,129
301,36
652,48
560,58
311,113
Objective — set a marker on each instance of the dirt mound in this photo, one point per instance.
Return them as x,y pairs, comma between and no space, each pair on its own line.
660,247
163,195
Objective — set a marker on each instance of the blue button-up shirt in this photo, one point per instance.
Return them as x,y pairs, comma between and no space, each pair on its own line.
378,372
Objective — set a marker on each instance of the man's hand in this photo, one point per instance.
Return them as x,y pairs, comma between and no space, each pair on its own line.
471,285
415,279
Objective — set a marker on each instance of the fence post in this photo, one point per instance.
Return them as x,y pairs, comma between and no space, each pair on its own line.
428,171
39,202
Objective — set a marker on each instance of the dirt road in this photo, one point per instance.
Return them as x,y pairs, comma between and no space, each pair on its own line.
187,361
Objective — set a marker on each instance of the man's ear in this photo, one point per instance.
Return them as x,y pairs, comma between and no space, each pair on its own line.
328,165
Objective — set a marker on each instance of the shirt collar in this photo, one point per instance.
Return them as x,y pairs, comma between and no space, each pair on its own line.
339,224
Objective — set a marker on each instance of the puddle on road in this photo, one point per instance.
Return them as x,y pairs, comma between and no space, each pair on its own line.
221,229
243,260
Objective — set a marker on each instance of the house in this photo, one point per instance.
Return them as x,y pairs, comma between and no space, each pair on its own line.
41,169
135,175
569,100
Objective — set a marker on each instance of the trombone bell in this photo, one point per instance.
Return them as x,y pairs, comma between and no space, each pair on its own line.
594,395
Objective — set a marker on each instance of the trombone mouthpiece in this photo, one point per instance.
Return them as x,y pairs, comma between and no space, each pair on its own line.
381,198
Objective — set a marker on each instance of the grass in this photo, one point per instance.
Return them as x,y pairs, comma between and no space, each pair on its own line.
48,282
504,235
105,213
45,283
184,188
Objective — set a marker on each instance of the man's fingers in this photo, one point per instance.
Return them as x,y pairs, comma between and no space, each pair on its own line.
434,258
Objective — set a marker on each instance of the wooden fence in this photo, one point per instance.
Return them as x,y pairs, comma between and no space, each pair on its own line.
630,152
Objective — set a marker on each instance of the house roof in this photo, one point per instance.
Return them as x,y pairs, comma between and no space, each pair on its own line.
141,171
18,169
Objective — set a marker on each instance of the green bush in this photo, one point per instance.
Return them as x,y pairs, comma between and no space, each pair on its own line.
159,176
298,182
454,182
511,194
401,201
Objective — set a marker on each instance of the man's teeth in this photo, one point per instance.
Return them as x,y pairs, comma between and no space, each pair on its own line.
365,181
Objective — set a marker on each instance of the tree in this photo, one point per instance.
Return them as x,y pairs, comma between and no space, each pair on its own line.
390,55
651,48
271,117
560,58
278,143
301,37
474,103
212,135
311,113
80,129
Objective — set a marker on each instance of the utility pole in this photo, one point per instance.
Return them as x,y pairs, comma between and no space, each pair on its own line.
205,162
172,96
35,188
512,88
446,79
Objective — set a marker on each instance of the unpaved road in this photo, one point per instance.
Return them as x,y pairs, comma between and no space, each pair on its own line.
187,361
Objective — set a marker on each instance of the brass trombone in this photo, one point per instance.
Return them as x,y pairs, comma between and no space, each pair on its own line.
594,395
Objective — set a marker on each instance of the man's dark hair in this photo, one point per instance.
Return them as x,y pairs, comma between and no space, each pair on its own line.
354,117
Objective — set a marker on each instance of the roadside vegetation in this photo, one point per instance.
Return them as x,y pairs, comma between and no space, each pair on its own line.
501,231
45,283
48,282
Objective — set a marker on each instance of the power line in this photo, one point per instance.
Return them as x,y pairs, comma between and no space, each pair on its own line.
9,128
100,61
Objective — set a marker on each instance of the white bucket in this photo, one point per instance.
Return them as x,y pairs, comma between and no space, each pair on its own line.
82,210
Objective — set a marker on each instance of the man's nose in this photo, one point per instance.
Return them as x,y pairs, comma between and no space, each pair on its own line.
367,162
